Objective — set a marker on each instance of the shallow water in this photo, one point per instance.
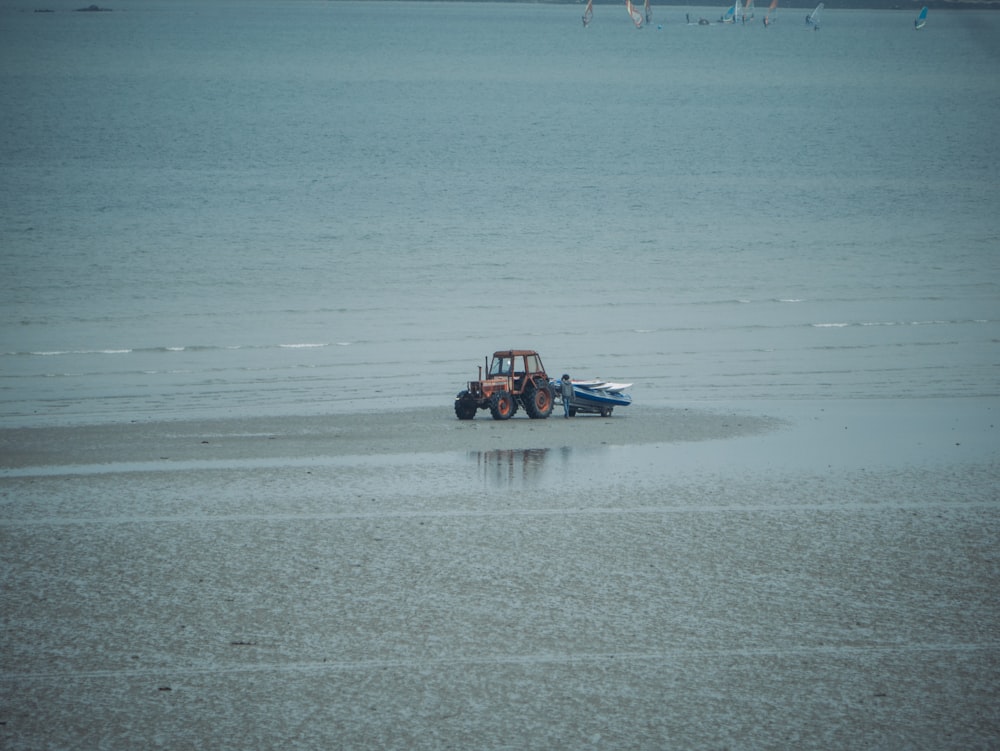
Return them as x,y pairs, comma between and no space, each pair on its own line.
219,208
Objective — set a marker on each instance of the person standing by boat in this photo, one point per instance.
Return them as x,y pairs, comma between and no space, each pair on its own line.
566,386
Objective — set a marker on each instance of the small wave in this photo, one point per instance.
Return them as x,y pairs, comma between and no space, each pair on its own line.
168,349
885,323
54,353
790,299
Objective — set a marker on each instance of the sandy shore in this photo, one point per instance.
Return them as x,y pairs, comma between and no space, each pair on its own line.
657,579
421,430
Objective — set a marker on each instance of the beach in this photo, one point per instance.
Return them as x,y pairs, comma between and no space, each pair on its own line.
408,580
250,252
427,430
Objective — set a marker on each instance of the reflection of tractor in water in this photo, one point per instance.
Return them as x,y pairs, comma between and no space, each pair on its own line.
514,376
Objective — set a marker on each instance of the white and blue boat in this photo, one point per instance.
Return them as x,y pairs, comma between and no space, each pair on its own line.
595,396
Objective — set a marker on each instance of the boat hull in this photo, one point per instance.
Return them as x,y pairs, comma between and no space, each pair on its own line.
588,396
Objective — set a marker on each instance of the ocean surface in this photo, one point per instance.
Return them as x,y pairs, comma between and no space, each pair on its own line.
235,208
242,208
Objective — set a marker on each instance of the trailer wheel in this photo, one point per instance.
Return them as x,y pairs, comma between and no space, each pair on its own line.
502,405
538,402
465,406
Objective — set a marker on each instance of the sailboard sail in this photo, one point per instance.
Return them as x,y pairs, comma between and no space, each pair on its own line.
634,13
768,20
588,13
647,11
730,15
813,18
748,11
921,19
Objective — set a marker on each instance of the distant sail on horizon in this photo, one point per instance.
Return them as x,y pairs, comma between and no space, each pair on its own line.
634,13
813,18
770,11
588,13
921,19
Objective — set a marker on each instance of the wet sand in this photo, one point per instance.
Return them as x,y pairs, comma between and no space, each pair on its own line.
421,430
370,581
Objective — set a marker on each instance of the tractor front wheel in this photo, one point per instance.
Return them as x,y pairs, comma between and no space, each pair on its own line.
502,405
465,406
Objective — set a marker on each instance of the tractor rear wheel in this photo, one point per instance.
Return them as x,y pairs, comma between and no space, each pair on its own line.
538,401
502,405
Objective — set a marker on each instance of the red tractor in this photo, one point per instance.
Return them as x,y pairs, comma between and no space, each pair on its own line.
514,376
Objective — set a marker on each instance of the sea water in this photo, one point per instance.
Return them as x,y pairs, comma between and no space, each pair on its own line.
219,207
